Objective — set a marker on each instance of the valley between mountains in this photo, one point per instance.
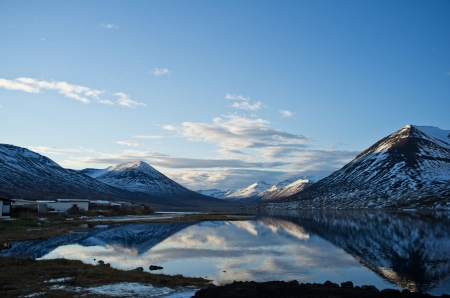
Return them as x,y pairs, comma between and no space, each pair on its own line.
409,169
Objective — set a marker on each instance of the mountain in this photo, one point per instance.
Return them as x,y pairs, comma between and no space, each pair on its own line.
215,193
253,189
283,190
27,174
140,177
407,169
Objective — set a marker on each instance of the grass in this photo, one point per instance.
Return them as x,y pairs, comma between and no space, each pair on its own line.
21,277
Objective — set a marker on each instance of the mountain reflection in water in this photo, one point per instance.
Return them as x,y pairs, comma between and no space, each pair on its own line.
409,250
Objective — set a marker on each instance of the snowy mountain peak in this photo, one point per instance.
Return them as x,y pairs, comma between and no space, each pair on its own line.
251,190
11,150
408,168
135,166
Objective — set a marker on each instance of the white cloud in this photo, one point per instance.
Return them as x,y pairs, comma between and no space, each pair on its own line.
160,72
30,85
148,137
243,103
128,143
108,26
58,151
125,100
234,132
286,113
246,106
14,85
236,97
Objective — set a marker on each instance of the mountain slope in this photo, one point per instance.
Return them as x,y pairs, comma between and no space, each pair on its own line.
24,173
409,168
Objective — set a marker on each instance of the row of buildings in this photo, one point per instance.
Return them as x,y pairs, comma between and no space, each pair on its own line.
7,206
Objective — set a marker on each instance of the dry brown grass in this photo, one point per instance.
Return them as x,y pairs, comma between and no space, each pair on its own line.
19,277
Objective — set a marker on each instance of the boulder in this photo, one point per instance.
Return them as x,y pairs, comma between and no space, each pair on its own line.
154,267
138,269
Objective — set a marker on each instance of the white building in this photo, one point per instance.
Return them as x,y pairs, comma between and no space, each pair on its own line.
63,205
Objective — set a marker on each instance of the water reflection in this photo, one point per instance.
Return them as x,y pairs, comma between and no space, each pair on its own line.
409,250
412,250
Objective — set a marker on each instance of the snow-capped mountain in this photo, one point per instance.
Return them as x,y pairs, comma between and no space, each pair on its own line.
407,169
249,191
27,174
283,190
138,176
215,193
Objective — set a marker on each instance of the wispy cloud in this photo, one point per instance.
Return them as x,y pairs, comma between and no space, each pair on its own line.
233,132
243,103
160,72
30,85
108,26
58,151
81,93
148,137
246,106
128,143
125,100
236,97
286,113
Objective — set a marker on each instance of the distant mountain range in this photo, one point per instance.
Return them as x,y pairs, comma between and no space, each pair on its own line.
407,169
261,191
29,175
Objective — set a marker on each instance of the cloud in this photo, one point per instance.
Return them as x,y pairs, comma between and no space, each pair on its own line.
148,137
108,26
58,151
236,97
30,85
234,132
128,143
243,103
15,85
125,100
286,113
160,72
246,106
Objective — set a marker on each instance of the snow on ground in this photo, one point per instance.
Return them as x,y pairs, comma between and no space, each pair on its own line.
131,289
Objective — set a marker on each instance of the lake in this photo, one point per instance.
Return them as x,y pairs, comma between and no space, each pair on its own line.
386,249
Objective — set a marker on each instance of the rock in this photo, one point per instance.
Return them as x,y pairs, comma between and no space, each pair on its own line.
347,284
154,267
138,269
100,262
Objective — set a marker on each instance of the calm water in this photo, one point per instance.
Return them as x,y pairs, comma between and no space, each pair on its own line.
388,250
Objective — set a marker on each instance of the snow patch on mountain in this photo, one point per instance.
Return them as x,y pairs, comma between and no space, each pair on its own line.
251,190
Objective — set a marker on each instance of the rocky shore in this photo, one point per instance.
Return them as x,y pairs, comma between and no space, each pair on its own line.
294,289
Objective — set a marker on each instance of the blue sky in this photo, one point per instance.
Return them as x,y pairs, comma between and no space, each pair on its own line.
220,94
